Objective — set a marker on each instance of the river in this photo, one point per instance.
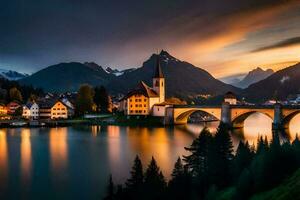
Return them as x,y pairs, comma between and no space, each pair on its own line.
75,162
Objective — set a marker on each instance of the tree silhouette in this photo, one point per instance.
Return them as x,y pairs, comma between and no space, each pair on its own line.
220,158
242,159
197,162
155,183
134,184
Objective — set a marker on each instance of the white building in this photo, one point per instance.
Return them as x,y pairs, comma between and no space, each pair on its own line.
31,111
141,100
230,98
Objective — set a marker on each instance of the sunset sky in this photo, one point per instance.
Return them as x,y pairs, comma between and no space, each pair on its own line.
224,37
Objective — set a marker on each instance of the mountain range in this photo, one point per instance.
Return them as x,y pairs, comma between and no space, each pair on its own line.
182,78
253,76
279,85
11,75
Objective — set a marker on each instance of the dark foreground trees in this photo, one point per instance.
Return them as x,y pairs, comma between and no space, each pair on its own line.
213,171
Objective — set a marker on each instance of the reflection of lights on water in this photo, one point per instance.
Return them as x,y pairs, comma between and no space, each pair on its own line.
3,155
294,127
25,155
95,130
58,148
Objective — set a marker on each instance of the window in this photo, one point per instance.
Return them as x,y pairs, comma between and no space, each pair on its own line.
162,83
144,105
145,100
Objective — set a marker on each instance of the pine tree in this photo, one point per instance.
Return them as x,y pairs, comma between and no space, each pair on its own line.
110,189
197,162
220,158
242,158
178,169
155,183
135,182
296,141
262,145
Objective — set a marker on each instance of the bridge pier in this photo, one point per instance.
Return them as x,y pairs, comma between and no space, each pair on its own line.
278,119
226,114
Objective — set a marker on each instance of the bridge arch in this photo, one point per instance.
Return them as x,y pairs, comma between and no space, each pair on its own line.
238,119
287,119
182,116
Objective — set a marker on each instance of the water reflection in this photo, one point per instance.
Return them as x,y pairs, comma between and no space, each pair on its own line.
86,155
3,155
58,148
164,144
114,145
294,127
26,159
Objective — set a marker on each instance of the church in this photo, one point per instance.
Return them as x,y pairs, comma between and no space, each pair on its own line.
143,99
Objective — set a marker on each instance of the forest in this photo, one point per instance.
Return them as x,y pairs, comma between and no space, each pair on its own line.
212,171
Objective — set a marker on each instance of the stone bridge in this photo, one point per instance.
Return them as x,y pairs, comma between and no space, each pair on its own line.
234,115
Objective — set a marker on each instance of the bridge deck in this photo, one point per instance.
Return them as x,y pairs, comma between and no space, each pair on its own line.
239,106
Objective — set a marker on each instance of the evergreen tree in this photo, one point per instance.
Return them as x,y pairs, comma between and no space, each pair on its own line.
220,158
135,182
110,189
296,142
178,170
176,184
242,158
197,162
262,145
155,183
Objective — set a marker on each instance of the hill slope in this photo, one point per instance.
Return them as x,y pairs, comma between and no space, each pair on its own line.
67,77
279,85
290,189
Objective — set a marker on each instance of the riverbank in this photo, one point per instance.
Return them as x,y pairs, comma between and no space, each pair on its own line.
120,120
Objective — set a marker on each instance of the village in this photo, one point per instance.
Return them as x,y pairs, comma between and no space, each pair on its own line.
140,103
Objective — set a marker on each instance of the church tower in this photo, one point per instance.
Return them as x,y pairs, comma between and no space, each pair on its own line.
159,81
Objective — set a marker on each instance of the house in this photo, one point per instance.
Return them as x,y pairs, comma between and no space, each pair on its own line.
230,98
59,110
31,111
70,106
53,109
3,109
12,107
3,112
141,100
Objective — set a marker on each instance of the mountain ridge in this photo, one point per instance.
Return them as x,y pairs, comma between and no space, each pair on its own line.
182,78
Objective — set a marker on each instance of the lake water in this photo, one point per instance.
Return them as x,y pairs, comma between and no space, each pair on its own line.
75,162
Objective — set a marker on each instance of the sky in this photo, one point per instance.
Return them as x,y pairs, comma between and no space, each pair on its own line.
224,37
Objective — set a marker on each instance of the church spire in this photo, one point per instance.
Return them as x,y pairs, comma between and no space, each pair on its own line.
158,72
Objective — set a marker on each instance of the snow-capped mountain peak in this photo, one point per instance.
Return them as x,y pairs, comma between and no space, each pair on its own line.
11,75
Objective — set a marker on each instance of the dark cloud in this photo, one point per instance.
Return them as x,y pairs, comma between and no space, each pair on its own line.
34,34
285,43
